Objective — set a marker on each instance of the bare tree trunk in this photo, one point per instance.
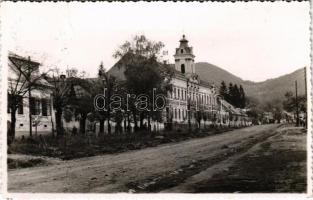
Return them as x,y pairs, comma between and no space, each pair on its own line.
51,112
135,121
11,128
109,125
125,125
149,122
52,124
58,121
141,120
30,114
101,131
82,124
128,123
108,116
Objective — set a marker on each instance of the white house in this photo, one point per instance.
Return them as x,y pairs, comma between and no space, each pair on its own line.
38,102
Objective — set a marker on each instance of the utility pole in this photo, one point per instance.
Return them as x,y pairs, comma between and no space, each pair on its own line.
297,107
29,99
306,96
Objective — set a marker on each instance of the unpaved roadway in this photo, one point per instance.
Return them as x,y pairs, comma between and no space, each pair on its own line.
147,170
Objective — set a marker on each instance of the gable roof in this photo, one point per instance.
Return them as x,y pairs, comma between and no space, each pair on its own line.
119,68
17,63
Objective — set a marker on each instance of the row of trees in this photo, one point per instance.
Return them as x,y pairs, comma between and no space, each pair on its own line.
143,73
277,109
233,94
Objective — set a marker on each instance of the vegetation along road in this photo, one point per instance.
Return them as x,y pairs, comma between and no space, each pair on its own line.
195,165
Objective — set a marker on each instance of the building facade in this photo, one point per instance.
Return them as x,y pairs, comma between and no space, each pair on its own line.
38,102
193,100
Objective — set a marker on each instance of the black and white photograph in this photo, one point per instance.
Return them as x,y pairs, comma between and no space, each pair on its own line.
156,97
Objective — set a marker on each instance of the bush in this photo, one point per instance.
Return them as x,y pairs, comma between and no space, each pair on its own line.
16,163
24,148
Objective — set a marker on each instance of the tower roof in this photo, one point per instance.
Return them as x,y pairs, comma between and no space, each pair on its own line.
183,40
184,48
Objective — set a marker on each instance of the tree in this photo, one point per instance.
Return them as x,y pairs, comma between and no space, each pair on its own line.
81,103
231,93
139,46
290,103
144,72
142,79
61,88
223,90
242,97
199,115
99,87
24,78
36,122
278,113
110,84
236,96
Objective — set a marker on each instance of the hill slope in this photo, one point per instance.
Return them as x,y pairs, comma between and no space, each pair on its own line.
264,91
212,73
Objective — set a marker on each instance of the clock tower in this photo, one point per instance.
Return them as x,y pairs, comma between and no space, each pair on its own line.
184,58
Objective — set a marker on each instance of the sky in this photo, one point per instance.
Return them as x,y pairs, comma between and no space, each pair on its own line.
254,41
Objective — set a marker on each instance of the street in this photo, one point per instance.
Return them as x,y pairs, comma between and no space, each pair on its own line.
187,166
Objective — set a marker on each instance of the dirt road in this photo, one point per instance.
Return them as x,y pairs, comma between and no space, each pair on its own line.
148,170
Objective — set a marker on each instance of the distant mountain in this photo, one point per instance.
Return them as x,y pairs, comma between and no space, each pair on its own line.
215,74
264,91
277,87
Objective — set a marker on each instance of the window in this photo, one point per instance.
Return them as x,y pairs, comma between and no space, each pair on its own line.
37,106
178,113
185,94
182,94
174,93
178,93
182,51
44,107
19,99
182,68
34,106
175,113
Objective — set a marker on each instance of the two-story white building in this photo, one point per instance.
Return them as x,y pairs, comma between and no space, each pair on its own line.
38,102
